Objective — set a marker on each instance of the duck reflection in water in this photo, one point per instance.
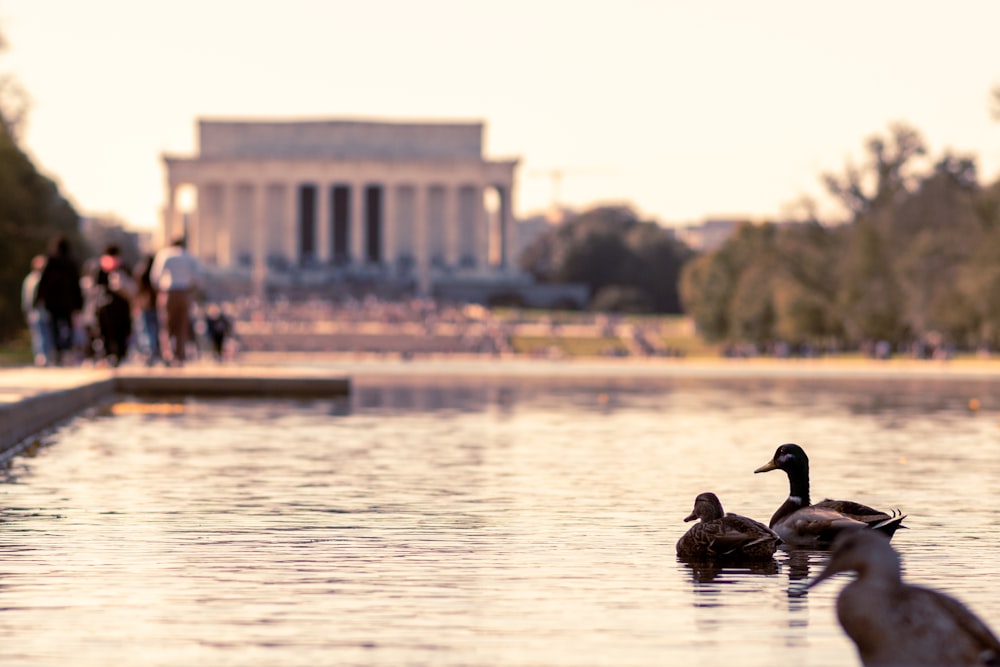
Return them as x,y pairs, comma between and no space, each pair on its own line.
893,623
709,570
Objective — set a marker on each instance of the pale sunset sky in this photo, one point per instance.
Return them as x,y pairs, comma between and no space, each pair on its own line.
684,110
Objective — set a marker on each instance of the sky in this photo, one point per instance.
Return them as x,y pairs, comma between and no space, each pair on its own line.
686,111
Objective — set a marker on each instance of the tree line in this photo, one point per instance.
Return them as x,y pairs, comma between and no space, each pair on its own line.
629,265
916,261
32,214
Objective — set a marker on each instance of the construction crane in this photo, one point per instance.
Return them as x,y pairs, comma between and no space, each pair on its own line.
556,174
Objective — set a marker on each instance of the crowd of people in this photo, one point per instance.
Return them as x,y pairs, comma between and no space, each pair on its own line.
108,312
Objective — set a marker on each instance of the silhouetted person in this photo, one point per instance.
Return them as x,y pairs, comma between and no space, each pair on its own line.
114,305
218,327
59,294
145,303
175,274
37,318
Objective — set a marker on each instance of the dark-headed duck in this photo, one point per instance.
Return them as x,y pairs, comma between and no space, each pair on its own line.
800,523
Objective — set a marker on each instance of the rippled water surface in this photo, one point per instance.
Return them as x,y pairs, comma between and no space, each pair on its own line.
499,522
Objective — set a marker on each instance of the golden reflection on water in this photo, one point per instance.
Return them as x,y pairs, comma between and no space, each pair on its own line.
490,522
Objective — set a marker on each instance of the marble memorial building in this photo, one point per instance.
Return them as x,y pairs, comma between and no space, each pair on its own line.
392,201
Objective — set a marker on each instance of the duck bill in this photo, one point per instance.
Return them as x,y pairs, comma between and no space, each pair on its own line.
767,467
690,517
822,576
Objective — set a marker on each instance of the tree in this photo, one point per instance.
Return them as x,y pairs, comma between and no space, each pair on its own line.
807,281
14,101
870,297
609,247
31,212
886,174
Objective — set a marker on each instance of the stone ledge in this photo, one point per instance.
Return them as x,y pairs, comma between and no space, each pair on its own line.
286,386
23,419
31,415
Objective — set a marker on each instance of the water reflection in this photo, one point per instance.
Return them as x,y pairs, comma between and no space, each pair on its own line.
476,522
708,571
800,565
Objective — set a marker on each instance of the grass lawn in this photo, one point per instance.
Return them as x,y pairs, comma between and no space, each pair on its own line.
567,346
16,352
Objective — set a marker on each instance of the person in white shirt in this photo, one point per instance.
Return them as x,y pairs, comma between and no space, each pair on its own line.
175,275
37,318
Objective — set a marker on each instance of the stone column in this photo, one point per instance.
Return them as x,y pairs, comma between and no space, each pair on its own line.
202,233
452,225
478,222
226,223
357,240
259,239
509,232
189,224
170,214
423,268
511,237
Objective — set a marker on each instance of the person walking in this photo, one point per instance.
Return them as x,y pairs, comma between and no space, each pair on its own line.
116,289
59,293
37,318
175,275
145,304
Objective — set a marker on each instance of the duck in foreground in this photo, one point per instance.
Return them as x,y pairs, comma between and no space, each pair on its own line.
896,624
802,524
722,535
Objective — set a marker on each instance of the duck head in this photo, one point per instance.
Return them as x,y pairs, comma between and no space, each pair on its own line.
861,550
788,457
706,507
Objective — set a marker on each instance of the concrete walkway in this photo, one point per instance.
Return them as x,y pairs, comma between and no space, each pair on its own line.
34,399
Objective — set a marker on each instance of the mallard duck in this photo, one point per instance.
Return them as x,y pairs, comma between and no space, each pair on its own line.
724,535
800,523
893,623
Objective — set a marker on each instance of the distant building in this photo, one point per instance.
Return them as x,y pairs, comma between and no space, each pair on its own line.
344,200
708,235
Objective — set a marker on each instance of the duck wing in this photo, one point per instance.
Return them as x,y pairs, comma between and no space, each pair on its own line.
854,510
986,643
741,535
814,525
884,522
731,535
922,627
748,524
698,541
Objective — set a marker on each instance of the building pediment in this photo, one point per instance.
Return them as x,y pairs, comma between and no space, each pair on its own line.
340,140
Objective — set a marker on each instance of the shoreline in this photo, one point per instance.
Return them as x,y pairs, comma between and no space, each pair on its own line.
626,367
32,399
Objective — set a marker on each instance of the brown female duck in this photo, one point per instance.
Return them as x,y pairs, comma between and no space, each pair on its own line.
800,523
722,535
893,623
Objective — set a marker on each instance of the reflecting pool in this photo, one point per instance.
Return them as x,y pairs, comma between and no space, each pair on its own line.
474,521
